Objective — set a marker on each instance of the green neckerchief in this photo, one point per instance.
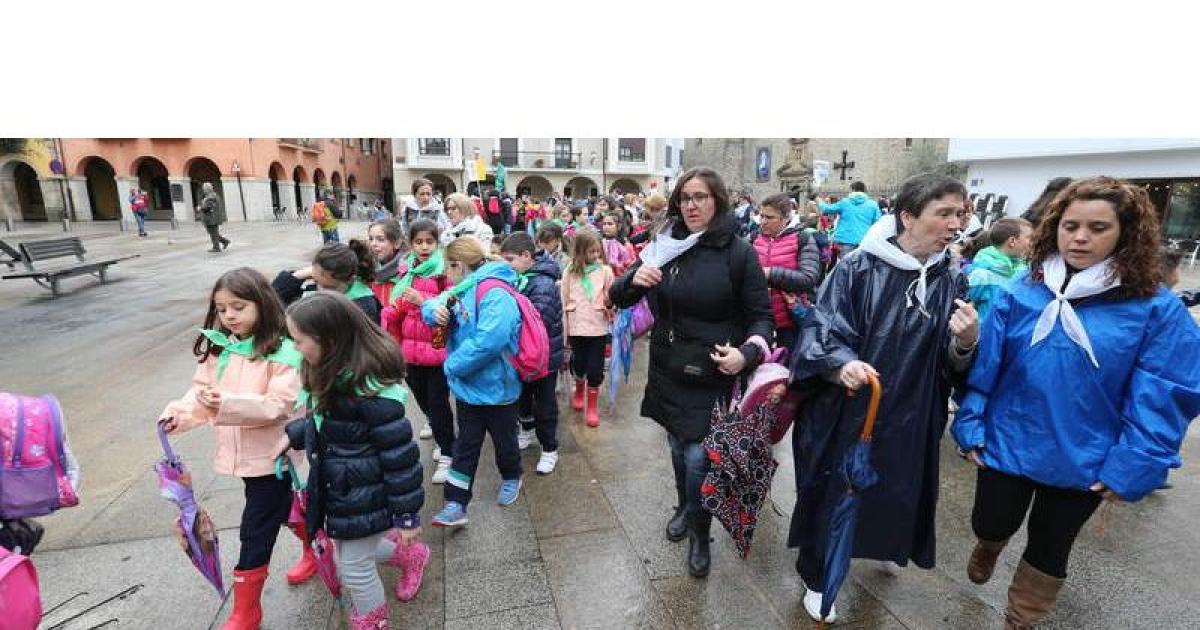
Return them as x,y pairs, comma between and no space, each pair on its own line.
523,280
435,265
286,354
586,280
395,392
559,222
466,284
579,225
358,290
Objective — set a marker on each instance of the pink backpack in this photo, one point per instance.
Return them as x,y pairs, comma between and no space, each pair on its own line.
33,467
532,360
19,592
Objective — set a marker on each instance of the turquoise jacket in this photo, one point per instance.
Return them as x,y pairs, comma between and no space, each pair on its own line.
481,340
1045,412
856,214
990,273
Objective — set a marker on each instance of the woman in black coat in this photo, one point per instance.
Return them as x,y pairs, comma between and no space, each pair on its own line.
709,298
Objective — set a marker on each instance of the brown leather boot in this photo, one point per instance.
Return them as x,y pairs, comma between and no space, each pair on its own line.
1031,597
983,560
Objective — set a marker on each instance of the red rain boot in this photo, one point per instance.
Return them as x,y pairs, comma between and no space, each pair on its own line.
593,400
577,399
247,607
306,567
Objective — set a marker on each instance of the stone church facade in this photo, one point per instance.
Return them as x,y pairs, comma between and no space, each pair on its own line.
787,166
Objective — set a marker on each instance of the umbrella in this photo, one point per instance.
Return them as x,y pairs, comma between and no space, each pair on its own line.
742,466
629,325
856,467
321,545
198,535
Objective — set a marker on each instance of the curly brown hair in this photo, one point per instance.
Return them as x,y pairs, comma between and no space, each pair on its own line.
1135,259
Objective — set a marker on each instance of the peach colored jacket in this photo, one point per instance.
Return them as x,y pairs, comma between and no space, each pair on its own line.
587,318
257,398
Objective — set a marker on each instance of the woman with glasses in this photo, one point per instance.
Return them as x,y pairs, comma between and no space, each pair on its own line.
791,262
894,309
465,221
706,289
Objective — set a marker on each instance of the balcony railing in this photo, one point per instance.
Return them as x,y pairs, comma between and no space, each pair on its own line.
304,144
537,159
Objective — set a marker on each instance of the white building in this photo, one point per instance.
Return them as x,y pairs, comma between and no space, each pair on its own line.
1018,169
576,167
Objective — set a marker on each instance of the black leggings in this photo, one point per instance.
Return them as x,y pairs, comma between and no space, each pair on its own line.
268,503
587,358
1001,502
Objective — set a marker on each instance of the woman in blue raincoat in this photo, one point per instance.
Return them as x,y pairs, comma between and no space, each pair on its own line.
1085,382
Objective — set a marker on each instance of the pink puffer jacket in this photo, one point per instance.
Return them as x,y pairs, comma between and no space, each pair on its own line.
403,320
257,398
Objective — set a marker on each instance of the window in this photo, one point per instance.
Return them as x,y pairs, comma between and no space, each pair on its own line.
562,153
631,149
681,158
908,142
508,151
433,146
670,150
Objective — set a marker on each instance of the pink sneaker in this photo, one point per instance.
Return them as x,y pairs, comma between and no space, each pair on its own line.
375,620
412,560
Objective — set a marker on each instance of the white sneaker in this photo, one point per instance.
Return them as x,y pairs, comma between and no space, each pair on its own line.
524,438
812,605
437,453
426,432
547,462
443,469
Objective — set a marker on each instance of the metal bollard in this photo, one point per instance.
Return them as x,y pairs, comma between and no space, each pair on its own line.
66,224
8,224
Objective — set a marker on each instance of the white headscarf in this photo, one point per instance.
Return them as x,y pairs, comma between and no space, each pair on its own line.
876,242
1094,280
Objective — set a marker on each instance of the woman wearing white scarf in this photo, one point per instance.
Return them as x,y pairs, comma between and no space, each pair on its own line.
892,308
1086,381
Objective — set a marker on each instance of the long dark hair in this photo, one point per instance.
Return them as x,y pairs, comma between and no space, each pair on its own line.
344,262
350,343
1038,207
716,187
250,285
393,234
1136,256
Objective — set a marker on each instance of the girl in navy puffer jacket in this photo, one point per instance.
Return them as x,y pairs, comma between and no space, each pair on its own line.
365,472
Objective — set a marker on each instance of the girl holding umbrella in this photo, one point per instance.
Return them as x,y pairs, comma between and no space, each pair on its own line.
1085,384
894,309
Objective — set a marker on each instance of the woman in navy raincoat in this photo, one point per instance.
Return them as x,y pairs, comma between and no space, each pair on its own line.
1085,382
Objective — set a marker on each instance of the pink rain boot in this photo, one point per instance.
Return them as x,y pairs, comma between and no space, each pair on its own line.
375,620
412,560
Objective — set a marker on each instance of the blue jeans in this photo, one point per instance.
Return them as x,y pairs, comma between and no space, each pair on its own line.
330,237
141,221
691,465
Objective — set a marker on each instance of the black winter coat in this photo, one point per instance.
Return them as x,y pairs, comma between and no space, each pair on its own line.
289,289
364,468
714,293
542,290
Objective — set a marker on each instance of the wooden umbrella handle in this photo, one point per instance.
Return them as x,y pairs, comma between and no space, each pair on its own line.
872,408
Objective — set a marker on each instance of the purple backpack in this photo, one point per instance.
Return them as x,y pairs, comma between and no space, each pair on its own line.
33,467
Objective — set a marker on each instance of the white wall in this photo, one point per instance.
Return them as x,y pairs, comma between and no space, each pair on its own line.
1000,148
1023,179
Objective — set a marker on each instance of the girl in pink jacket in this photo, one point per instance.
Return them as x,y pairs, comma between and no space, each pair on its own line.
588,322
425,278
245,387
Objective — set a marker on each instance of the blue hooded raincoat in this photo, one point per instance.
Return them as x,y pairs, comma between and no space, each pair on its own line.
1045,412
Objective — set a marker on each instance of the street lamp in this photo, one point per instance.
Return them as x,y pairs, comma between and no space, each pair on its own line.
237,172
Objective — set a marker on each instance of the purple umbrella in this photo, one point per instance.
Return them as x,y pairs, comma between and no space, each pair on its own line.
198,535
321,544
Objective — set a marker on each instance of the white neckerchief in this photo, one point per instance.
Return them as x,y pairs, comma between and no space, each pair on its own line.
663,248
876,242
1094,280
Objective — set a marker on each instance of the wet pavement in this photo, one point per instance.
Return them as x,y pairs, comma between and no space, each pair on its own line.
582,548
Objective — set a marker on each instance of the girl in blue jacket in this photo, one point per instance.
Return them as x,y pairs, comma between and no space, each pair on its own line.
483,334
1083,388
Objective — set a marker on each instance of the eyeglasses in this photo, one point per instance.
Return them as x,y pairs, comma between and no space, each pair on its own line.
698,198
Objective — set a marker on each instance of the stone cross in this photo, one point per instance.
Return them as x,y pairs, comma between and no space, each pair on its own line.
843,165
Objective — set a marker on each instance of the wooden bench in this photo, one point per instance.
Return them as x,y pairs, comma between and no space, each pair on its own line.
38,251
9,256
